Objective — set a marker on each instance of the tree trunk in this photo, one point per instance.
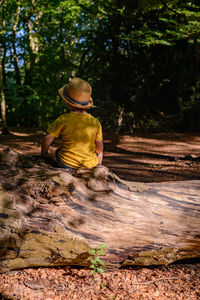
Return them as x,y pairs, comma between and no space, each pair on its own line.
33,17
115,66
3,112
33,27
120,119
3,51
50,217
13,40
3,101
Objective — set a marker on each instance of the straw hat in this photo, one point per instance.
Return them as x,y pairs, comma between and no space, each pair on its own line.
77,93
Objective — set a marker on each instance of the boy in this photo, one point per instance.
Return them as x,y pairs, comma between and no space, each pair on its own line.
80,132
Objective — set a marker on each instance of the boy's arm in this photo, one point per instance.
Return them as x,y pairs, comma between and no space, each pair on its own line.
48,139
99,150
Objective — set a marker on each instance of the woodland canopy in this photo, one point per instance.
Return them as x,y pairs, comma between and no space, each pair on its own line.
142,58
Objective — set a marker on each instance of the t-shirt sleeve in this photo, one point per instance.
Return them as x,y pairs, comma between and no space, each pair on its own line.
55,128
99,136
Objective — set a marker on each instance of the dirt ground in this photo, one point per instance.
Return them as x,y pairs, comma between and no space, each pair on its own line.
144,158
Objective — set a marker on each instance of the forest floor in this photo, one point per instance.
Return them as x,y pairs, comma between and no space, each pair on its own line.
144,158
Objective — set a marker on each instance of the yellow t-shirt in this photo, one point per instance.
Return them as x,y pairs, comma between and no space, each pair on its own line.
78,132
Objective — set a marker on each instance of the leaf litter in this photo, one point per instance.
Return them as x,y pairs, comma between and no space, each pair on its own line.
179,281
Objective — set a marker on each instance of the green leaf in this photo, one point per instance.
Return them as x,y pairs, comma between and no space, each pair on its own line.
93,272
93,261
92,266
100,270
101,246
92,251
101,263
97,259
99,252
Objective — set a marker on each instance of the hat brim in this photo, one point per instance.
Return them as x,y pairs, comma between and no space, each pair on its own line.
68,101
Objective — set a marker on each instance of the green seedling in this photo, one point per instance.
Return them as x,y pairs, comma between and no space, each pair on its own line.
97,265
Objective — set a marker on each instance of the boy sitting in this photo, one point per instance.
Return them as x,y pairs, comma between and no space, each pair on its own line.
80,132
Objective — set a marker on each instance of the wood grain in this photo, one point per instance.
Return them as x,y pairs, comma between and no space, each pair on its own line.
52,217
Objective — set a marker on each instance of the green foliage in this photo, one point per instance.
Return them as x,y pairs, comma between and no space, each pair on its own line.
139,55
97,265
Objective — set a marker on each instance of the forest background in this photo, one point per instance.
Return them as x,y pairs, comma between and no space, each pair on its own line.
142,58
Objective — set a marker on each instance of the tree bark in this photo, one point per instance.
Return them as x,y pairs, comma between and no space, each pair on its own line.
51,217
13,40
3,102
120,119
3,51
33,28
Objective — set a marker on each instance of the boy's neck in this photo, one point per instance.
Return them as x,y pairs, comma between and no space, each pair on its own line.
81,112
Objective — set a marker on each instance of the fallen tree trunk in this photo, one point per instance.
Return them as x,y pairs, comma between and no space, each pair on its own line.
50,217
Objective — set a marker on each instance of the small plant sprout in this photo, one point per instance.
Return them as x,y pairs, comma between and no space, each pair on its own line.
97,265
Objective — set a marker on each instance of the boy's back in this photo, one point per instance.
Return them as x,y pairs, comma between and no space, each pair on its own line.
78,132
81,133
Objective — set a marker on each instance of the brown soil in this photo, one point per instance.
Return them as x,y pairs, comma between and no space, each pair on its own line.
145,158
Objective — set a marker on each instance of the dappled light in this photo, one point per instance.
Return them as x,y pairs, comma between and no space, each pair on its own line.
52,218
53,202
148,158
118,169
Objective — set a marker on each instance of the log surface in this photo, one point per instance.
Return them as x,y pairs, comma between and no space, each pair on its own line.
50,217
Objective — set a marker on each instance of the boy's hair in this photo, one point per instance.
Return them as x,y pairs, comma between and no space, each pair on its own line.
75,108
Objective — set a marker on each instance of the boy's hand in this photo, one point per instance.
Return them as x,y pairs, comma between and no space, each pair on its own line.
100,157
99,150
48,139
